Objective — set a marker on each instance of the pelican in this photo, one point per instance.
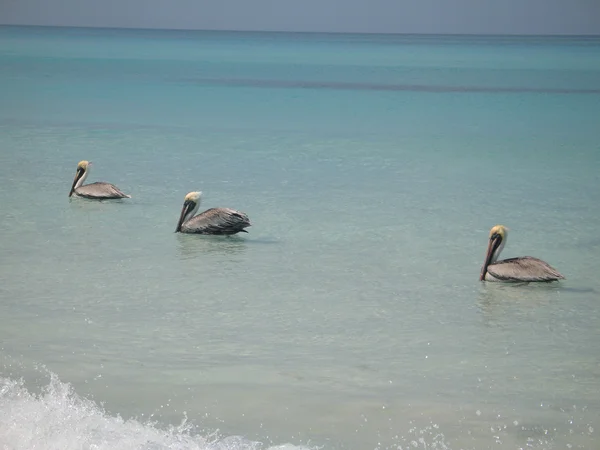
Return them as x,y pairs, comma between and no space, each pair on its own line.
524,268
98,190
222,221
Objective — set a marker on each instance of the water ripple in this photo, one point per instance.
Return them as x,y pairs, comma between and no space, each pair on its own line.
373,86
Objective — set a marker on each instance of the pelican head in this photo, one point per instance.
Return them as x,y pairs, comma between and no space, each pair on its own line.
80,175
498,235
191,204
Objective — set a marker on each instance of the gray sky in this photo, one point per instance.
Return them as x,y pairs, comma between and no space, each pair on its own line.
372,16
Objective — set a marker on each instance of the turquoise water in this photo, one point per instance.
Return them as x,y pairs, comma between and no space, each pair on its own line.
351,315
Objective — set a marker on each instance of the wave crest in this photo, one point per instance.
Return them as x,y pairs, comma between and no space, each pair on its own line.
58,418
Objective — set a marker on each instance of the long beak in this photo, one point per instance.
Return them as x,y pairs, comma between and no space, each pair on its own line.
78,175
492,246
187,205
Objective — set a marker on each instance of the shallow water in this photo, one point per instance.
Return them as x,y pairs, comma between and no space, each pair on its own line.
350,316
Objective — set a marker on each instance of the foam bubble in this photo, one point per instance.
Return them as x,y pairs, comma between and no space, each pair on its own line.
58,418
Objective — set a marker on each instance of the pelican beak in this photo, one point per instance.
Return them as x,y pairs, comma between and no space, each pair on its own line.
493,244
78,175
188,205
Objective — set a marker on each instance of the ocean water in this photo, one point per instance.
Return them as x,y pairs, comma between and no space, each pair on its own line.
351,315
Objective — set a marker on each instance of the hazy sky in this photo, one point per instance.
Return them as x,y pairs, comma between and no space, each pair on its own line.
373,16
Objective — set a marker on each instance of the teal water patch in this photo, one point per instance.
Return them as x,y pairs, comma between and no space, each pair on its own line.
351,315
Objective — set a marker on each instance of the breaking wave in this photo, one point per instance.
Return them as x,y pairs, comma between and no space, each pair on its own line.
58,418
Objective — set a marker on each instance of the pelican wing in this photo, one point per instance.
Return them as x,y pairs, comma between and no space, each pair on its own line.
218,221
100,190
525,268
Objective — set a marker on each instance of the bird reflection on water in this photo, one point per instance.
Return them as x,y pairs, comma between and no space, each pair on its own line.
193,246
498,303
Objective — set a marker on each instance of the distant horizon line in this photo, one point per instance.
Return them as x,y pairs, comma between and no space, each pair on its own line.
223,30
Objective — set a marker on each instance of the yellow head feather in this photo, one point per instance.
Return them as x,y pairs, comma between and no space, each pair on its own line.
83,165
193,196
498,229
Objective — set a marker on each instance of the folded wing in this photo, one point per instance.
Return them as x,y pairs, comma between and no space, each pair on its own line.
525,268
100,190
218,221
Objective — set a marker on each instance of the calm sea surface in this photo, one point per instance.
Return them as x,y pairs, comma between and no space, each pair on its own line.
351,315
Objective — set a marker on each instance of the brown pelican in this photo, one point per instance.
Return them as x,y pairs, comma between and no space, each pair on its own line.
223,221
524,268
98,191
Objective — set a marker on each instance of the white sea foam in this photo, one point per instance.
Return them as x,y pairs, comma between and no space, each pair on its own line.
58,418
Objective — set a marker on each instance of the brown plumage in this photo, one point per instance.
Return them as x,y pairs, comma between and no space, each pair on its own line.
100,190
216,221
97,191
524,268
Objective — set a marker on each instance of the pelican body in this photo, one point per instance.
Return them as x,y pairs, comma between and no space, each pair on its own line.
217,221
96,191
521,269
